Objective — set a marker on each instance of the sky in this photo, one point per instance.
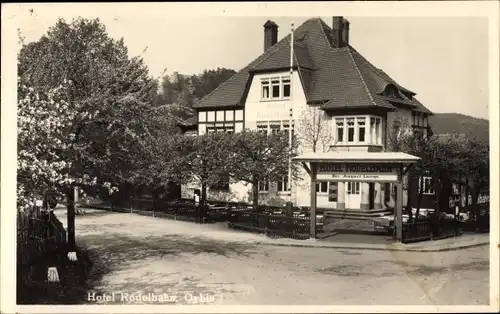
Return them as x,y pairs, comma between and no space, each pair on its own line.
443,59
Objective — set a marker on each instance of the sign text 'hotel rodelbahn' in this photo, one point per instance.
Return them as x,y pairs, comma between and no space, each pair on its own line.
358,172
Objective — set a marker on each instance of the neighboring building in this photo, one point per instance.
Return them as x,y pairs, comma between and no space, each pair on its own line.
361,104
189,126
453,193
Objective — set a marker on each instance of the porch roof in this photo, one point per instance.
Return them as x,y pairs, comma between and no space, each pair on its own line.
358,157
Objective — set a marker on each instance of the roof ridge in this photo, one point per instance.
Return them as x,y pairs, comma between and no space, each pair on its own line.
362,78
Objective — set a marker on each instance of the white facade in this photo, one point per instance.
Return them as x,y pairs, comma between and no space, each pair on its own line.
270,100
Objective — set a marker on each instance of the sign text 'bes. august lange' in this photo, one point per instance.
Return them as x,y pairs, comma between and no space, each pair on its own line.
358,172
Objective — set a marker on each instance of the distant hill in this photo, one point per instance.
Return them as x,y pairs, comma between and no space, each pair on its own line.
447,123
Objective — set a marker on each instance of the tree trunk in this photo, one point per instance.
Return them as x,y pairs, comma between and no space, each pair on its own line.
255,194
70,195
203,202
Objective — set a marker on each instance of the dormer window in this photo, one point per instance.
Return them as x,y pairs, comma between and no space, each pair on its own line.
392,92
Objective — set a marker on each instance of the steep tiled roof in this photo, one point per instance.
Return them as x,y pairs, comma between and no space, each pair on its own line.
280,58
333,77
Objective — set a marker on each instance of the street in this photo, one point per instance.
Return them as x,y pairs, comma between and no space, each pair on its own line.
147,260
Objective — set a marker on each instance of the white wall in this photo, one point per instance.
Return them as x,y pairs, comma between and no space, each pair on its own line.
257,109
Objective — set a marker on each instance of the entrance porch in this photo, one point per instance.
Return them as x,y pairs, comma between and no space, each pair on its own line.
359,178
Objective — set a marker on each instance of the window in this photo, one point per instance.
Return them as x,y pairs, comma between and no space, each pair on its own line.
229,115
220,115
283,185
202,129
340,130
352,187
286,87
275,87
265,89
219,127
322,187
211,116
426,185
229,127
238,115
262,128
373,126
350,130
361,129
275,127
378,131
263,186
238,127
211,128
286,127
454,188
202,116
222,185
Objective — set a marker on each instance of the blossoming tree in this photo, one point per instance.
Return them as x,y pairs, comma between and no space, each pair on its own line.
85,113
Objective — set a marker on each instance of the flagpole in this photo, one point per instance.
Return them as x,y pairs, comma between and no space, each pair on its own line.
291,113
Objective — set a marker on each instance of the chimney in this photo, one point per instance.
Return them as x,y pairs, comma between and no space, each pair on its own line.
340,31
270,34
345,33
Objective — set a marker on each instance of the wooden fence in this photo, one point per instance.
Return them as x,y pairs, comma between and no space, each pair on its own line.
40,237
271,220
37,235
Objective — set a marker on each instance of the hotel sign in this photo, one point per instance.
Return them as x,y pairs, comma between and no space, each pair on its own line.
357,172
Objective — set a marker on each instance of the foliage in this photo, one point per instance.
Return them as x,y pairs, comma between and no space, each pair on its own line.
314,130
446,158
185,90
97,124
261,157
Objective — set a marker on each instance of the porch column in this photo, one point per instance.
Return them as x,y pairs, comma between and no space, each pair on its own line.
399,212
365,196
378,196
341,195
312,229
